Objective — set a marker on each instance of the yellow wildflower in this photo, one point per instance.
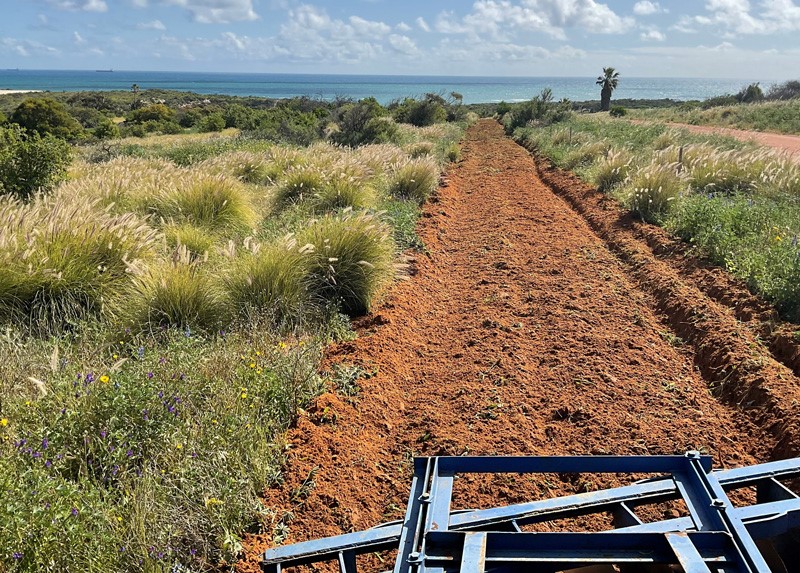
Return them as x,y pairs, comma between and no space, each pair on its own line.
212,501
105,378
178,446
115,357
252,365
4,422
244,395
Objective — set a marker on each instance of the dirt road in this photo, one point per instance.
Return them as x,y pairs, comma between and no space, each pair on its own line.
522,331
778,141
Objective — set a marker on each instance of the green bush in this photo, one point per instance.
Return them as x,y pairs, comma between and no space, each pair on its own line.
47,116
363,123
415,180
541,111
352,259
618,111
106,130
426,111
212,122
157,112
30,163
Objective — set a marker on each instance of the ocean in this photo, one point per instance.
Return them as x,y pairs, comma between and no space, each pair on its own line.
383,88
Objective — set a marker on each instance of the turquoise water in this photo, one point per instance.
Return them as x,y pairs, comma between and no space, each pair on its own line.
384,88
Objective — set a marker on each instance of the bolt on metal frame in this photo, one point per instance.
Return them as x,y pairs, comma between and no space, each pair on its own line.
714,537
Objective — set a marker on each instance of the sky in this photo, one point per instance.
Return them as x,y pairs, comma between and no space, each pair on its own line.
640,38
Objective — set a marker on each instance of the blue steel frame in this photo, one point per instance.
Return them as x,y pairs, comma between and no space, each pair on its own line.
715,536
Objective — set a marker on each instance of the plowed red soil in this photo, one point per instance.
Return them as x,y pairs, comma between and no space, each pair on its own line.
525,328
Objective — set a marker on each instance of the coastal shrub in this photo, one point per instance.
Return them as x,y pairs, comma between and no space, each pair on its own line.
428,110
612,170
213,202
212,122
415,180
541,111
181,293
651,191
106,129
30,163
46,116
352,259
363,123
157,113
618,111
270,284
750,94
59,258
299,183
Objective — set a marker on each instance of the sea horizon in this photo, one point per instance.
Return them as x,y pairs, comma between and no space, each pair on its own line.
385,88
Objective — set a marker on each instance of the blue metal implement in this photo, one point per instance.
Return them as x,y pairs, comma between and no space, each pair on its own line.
714,537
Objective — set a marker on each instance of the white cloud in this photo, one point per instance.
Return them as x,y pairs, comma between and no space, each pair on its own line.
139,3
403,27
152,25
310,34
237,42
368,28
78,39
422,24
499,18
85,5
403,44
652,35
737,17
217,11
26,48
646,8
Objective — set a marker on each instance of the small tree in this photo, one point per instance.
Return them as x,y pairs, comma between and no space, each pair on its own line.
750,94
608,83
30,162
47,116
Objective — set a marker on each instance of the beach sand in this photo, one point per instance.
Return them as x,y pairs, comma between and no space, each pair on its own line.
6,92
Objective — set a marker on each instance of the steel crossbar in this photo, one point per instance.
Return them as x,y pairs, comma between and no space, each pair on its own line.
435,540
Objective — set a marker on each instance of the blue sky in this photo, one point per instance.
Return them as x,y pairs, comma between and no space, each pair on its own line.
711,38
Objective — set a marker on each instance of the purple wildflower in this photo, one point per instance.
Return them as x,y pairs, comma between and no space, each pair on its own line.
45,443
74,511
149,375
18,555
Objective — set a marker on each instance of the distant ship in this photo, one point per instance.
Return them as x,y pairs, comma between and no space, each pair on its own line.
105,71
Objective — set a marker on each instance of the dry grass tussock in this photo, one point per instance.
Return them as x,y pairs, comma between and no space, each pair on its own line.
59,256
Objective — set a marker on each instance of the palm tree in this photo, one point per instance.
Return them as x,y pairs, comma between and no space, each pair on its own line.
608,83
